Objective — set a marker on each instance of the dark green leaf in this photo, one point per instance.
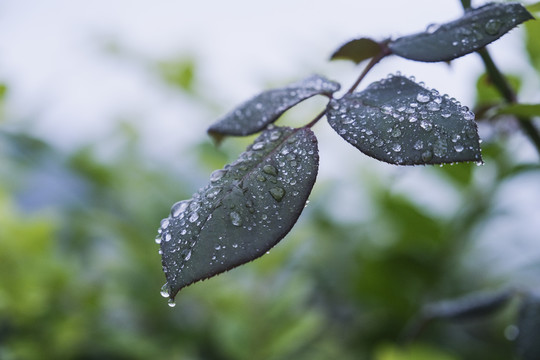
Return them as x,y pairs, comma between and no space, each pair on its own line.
400,122
468,307
474,30
357,50
265,108
527,344
526,110
246,209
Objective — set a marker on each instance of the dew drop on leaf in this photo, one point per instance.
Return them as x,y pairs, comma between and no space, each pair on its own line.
277,193
236,219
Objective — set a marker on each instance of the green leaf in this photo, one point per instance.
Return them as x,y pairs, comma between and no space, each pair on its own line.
247,208
534,7
527,344
468,307
474,30
525,110
265,108
400,122
532,31
357,50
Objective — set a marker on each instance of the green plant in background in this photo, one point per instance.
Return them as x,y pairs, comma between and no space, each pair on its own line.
360,277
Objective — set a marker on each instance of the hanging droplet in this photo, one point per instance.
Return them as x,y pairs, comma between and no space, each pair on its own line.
171,303
165,290
236,219
158,239
427,155
277,193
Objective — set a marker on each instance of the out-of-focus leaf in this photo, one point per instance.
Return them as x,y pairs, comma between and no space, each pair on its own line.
525,110
527,344
487,93
357,50
247,208
468,307
474,30
255,114
534,7
400,122
180,73
532,31
413,352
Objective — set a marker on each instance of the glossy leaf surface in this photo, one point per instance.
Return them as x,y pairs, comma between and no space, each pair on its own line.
357,50
265,108
474,30
401,122
527,344
247,207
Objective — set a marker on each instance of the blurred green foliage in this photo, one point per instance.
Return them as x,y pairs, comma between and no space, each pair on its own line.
80,273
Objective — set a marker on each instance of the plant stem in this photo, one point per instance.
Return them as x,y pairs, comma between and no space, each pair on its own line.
385,51
505,89
508,94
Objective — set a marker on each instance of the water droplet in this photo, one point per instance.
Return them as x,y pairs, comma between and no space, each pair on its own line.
412,118
168,237
275,135
433,106
426,125
236,220
396,132
258,146
347,120
493,26
261,178
171,303
164,223
179,207
269,169
427,155
186,254
277,193
422,97
158,239
194,217
165,290
418,145
431,28
446,115
468,115
396,147
458,148
440,147
194,206
216,175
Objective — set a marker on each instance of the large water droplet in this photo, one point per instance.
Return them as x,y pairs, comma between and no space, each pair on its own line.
179,208
236,219
458,148
396,147
277,193
422,97
258,146
269,169
433,106
216,175
427,155
194,217
165,290
164,223
493,26
171,303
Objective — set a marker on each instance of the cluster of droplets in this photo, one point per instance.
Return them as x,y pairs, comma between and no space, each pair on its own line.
253,195
485,24
263,109
416,126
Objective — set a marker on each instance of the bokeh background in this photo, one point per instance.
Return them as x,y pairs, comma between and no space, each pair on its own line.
104,107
